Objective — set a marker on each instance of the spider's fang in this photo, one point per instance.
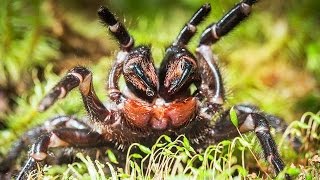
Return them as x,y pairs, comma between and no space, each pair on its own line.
187,71
146,81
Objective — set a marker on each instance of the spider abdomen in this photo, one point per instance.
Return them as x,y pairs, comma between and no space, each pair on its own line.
159,116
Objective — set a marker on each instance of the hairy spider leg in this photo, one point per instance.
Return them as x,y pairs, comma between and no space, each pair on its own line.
82,77
250,119
280,126
230,20
116,28
126,44
190,28
114,92
63,137
275,122
30,136
210,88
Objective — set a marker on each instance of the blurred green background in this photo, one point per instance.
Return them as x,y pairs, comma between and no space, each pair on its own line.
271,60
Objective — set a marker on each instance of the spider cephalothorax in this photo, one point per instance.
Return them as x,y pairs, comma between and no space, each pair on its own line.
156,100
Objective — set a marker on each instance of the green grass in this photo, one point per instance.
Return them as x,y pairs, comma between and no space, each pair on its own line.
176,159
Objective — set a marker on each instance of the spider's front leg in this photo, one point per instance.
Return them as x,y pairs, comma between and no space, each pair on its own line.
211,87
126,43
82,77
227,23
211,91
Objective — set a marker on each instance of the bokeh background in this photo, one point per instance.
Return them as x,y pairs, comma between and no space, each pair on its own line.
271,60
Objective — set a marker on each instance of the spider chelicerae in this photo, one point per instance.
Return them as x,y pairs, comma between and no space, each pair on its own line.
155,101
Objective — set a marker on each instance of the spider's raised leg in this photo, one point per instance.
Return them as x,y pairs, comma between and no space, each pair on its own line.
82,77
250,119
190,28
30,137
178,67
126,44
231,19
116,29
211,85
64,137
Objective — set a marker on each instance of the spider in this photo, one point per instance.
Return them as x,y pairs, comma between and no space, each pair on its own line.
155,101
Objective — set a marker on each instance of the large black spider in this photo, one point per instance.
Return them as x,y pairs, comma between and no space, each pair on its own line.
156,101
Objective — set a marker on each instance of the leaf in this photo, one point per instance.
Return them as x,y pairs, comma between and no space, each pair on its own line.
167,138
244,143
293,171
167,152
225,142
210,157
136,156
200,158
180,149
112,157
144,149
160,145
186,143
233,117
302,125
187,152
308,176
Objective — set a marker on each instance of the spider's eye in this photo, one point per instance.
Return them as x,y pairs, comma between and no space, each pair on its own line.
177,70
140,74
